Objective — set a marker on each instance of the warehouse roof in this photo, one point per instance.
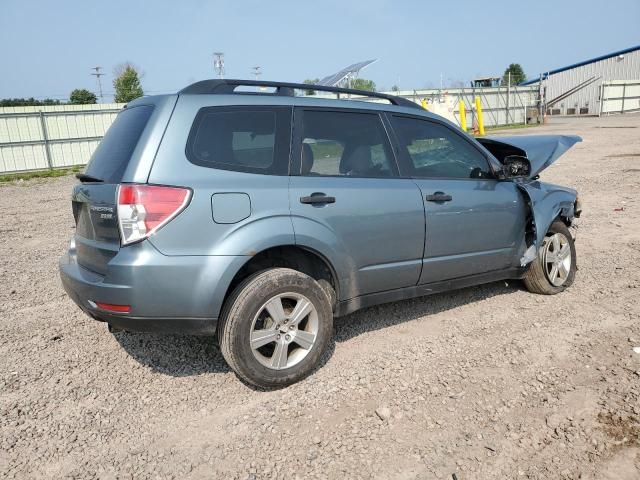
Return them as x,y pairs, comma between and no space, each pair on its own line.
580,64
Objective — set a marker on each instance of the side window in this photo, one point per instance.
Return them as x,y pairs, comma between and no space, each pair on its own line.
345,144
244,139
437,152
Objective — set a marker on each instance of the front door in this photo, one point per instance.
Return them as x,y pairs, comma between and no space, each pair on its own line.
474,223
346,195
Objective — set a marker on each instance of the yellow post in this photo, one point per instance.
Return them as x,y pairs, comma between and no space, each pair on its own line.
423,102
479,113
463,115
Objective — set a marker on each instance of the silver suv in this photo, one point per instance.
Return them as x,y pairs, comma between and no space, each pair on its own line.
253,212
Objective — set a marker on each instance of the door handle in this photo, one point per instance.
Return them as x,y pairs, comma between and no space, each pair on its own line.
317,198
439,197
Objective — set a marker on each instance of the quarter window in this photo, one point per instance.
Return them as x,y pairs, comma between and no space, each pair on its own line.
246,139
345,144
436,151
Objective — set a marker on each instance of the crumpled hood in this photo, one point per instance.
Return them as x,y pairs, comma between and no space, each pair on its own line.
541,150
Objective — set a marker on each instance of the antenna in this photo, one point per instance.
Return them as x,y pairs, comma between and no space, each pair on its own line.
218,63
98,74
257,72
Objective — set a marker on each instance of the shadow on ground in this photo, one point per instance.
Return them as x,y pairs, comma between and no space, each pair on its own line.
389,314
182,355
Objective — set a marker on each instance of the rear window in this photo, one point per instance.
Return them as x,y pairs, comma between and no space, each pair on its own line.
111,158
244,139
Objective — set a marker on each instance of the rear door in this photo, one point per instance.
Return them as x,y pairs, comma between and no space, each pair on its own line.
94,201
345,191
474,223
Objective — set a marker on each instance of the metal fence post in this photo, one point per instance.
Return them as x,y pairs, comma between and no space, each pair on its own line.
45,137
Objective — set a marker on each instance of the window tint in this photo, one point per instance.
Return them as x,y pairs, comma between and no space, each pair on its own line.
246,139
110,159
345,144
436,151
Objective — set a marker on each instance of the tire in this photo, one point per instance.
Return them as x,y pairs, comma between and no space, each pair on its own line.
539,278
263,343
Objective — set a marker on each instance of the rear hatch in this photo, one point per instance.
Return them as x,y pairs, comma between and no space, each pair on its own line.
94,200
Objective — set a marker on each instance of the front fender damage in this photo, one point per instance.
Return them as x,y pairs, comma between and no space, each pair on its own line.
545,202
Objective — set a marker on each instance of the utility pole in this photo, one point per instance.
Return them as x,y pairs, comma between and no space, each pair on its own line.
257,72
98,74
218,63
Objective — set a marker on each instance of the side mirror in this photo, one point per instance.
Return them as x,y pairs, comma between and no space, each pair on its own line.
515,166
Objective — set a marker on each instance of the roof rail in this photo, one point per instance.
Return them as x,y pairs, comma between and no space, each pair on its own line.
228,86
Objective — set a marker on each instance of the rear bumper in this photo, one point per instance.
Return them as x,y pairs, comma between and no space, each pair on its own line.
166,294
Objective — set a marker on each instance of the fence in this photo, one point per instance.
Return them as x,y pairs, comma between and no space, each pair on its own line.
500,105
620,96
35,138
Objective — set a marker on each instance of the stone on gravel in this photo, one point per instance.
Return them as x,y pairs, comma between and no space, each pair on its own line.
383,413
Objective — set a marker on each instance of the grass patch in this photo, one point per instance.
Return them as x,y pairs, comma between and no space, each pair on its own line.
58,172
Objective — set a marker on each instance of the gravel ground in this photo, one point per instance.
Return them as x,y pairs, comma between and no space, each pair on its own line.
487,382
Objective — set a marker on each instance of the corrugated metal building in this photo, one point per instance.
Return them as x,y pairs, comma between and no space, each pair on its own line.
580,89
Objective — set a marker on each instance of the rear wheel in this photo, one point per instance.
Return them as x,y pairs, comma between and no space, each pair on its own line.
555,267
275,326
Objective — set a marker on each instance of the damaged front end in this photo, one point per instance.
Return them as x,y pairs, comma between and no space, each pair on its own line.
546,201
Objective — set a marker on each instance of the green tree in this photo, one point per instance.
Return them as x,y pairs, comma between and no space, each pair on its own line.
517,74
127,83
25,102
395,88
82,96
363,84
311,81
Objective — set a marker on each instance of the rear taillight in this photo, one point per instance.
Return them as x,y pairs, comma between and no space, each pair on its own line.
143,209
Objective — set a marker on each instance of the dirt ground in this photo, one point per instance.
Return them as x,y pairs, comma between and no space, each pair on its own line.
482,383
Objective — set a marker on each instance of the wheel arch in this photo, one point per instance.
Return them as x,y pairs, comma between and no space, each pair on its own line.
546,204
297,257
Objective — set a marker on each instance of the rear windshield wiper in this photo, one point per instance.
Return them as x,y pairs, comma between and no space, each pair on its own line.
83,177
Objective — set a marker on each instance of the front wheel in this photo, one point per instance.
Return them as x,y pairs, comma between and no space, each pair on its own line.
554,269
275,326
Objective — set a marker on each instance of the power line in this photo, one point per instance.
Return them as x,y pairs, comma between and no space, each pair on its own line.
98,74
218,63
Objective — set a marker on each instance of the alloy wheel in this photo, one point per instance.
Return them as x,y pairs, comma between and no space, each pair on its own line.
557,259
284,330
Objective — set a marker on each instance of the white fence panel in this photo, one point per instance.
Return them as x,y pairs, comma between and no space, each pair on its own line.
35,138
620,96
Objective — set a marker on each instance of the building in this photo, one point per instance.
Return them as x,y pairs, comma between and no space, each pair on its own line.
601,85
486,82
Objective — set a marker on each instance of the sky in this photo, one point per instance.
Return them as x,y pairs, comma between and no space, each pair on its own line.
47,47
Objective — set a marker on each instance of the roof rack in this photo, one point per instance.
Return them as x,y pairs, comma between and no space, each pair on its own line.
228,86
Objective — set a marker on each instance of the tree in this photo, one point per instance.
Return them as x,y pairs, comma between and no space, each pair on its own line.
311,81
82,96
127,83
517,75
25,102
363,84
395,88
